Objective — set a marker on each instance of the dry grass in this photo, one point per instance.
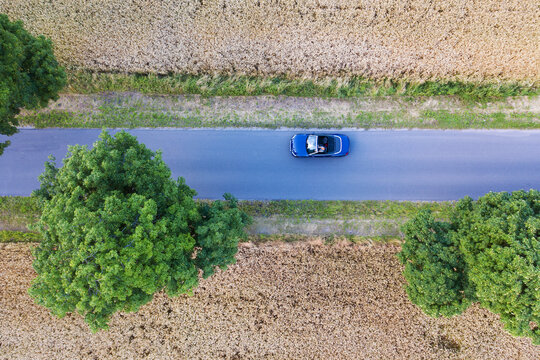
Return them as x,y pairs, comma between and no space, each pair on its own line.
413,39
280,301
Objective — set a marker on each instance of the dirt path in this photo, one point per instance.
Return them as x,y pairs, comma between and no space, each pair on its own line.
280,301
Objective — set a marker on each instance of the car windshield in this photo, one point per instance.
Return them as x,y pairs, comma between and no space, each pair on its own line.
311,144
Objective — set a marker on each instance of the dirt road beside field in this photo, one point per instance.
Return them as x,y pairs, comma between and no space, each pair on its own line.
280,301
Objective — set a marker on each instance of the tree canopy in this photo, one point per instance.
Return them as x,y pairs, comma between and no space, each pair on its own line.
489,252
434,267
116,230
29,73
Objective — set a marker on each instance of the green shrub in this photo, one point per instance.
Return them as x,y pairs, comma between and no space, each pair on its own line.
116,229
489,252
434,267
500,241
29,73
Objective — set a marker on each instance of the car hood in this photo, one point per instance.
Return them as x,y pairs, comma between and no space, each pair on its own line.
345,143
298,145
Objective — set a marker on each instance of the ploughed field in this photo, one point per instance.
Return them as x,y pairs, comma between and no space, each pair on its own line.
305,300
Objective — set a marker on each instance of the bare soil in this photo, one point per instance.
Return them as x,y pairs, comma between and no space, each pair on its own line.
412,39
280,301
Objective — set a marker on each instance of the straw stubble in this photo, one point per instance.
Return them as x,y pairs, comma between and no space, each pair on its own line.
411,39
302,300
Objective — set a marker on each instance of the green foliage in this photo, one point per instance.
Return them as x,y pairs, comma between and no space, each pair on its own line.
328,209
116,229
434,267
29,73
24,205
94,82
7,236
218,233
498,240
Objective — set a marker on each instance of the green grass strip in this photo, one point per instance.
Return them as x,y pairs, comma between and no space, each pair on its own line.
119,117
16,212
86,82
28,237
343,209
22,205
7,236
368,209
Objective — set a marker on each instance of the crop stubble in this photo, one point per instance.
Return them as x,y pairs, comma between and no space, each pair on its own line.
304,301
413,39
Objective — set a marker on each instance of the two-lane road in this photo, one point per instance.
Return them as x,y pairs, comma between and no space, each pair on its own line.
256,164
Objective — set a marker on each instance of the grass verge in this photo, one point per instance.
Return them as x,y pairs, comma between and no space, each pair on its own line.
327,239
133,117
314,209
7,236
17,212
85,82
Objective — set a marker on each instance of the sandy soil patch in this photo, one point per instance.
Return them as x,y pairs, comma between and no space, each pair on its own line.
280,301
413,39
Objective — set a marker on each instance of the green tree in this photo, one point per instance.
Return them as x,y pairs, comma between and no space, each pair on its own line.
116,230
217,234
494,246
500,241
29,74
434,267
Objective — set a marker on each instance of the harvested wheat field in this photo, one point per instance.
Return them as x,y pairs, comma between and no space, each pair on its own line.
280,301
405,39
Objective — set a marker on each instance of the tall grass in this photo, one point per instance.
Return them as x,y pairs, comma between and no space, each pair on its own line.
85,82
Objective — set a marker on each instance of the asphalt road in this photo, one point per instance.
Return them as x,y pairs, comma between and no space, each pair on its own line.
254,164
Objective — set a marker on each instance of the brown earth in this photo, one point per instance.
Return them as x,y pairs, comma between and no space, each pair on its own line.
412,39
280,301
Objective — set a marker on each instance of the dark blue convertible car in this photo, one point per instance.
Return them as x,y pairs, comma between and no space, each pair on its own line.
319,145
